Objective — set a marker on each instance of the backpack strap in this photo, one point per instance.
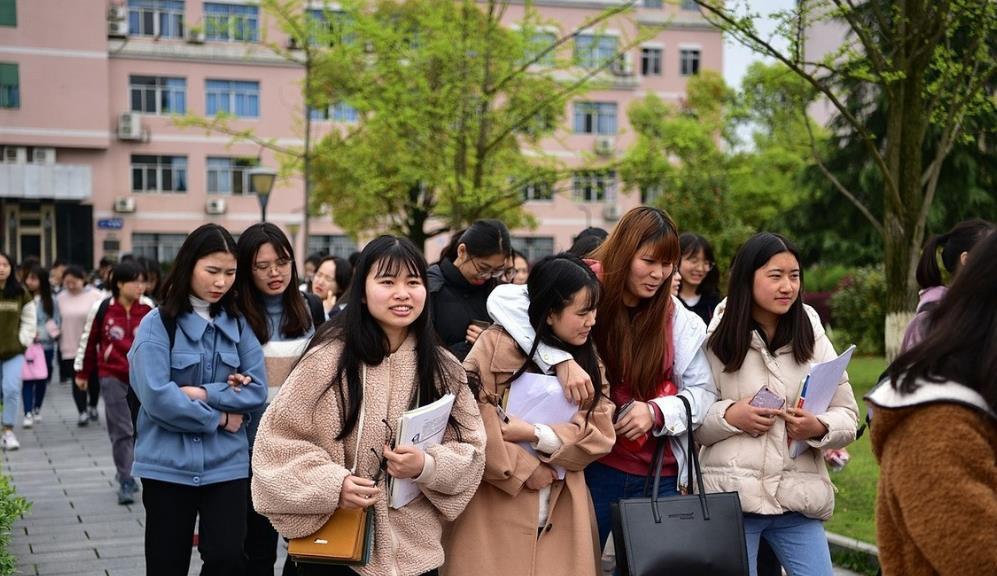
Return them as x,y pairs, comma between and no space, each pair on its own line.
170,324
97,328
316,309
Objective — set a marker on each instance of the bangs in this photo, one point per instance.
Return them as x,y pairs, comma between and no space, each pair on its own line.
394,260
664,245
592,294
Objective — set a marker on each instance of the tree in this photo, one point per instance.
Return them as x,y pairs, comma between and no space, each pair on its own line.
930,61
452,104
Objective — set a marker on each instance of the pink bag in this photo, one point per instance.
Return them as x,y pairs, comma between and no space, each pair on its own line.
35,367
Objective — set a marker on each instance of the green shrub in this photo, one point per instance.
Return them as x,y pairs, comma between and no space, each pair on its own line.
12,507
859,311
826,278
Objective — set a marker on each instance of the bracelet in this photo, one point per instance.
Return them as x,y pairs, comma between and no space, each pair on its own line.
224,424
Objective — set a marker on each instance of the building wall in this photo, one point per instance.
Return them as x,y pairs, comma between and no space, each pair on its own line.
74,84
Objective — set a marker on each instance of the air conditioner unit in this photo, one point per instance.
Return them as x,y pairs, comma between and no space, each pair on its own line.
117,13
623,66
43,156
129,126
117,29
15,154
124,205
215,206
611,212
605,145
194,36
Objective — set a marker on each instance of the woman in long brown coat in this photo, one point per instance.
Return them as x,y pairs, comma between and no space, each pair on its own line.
524,520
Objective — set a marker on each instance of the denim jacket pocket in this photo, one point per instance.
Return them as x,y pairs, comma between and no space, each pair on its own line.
185,369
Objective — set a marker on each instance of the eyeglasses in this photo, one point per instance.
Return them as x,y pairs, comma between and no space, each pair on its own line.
280,265
697,262
489,272
382,464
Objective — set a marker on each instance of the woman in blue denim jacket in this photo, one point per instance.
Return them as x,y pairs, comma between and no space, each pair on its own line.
198,370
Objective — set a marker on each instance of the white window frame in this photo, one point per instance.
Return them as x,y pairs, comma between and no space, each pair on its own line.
661,60
685,50
593,186
214,22
159,89
177,174
157,13
217,174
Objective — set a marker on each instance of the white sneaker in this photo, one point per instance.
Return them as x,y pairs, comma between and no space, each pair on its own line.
29,420
37,415
9,441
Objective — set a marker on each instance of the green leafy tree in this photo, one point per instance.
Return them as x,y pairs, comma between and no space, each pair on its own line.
930,61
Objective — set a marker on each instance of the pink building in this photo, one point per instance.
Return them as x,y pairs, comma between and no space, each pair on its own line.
92,164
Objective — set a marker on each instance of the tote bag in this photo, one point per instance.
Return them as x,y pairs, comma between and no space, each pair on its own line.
35,367
690,535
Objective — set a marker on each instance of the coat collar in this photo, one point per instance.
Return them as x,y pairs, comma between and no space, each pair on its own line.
194,326
884,395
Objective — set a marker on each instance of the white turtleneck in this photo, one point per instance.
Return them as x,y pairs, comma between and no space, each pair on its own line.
201,307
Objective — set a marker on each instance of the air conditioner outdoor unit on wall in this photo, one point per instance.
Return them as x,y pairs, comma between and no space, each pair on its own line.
43,156
129,126
611,212
116,13
15,154
605,145
124,205
215,206
117,29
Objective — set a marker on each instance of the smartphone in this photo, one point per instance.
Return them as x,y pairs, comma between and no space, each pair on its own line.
483,324
622,411
766,398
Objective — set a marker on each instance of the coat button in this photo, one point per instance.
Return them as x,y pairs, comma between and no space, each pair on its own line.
197,479
196,439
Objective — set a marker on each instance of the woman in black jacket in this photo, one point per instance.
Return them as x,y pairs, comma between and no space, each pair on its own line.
459,284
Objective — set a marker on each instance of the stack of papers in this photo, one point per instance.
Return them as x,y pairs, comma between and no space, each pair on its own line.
539,399
818,390
422,427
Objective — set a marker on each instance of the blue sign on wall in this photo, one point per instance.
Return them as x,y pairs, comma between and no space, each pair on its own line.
110,224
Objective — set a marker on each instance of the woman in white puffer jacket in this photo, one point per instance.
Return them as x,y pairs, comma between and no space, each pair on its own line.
764,336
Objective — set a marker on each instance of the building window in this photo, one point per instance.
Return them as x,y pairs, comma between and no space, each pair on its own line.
653,3
649,194
690,5
533,247
541,42
231,22
338,112
10,86
650,61
594,51
240,99
159,173
332,245
538,191
228,175
594,185
689,61
160,18
158,95
595,117
162,248
332,28
8,13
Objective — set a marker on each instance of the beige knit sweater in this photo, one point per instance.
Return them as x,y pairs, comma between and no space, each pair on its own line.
299,467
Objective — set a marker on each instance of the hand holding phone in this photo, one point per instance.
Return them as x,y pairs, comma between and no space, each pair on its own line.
622,411
766,398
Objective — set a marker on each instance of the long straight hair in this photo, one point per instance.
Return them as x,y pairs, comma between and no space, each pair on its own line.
297,320
207,239
11,288
633,348
365,342
552,285
44,288
961,345
961,238
732,337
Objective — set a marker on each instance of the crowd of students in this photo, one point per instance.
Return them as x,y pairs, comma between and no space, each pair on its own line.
255,403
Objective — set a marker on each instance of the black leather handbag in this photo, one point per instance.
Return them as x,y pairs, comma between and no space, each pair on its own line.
681,535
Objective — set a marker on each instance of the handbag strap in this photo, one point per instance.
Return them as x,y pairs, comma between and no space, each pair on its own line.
695,459
359,428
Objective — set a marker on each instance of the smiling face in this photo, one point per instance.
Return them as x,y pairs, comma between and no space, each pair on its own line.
213,276
648,274
395,297
574,323
694,268
776,287
271,272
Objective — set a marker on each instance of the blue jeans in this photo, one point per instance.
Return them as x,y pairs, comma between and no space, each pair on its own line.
798,541
607,485
34,390
11,370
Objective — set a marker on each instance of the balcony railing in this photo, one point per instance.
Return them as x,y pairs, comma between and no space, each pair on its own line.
45,181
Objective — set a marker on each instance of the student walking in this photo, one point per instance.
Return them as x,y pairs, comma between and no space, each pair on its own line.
699,276
75,302
17,332
197,369
652,348
764,336
110,337
524,518
934,434
324,443
47,331
283,320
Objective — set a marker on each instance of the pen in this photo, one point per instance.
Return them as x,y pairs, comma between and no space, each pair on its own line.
501,413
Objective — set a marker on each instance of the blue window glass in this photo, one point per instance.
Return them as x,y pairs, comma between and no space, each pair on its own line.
231,22
238,98
160,18
594,51
595,117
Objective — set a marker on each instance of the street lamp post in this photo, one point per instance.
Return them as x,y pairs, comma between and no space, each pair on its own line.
261,183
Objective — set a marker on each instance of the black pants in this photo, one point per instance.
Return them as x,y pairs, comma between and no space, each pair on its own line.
82,398
261,542
170,511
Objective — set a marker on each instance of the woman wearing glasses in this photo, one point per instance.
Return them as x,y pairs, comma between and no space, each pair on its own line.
284,320
699,276
331,278
459,284
321,443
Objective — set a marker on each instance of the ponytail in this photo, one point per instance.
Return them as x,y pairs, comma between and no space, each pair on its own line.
961,238
928,272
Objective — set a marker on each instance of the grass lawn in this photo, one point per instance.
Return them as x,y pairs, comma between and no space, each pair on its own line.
855,503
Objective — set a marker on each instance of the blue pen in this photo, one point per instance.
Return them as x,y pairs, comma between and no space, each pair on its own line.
803,393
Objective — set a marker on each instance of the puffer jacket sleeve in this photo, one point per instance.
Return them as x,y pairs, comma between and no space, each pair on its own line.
715,427
460,459
298,467
29,324
842,415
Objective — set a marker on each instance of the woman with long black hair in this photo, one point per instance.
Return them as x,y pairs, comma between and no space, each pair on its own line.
326,437
47,333
17,332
